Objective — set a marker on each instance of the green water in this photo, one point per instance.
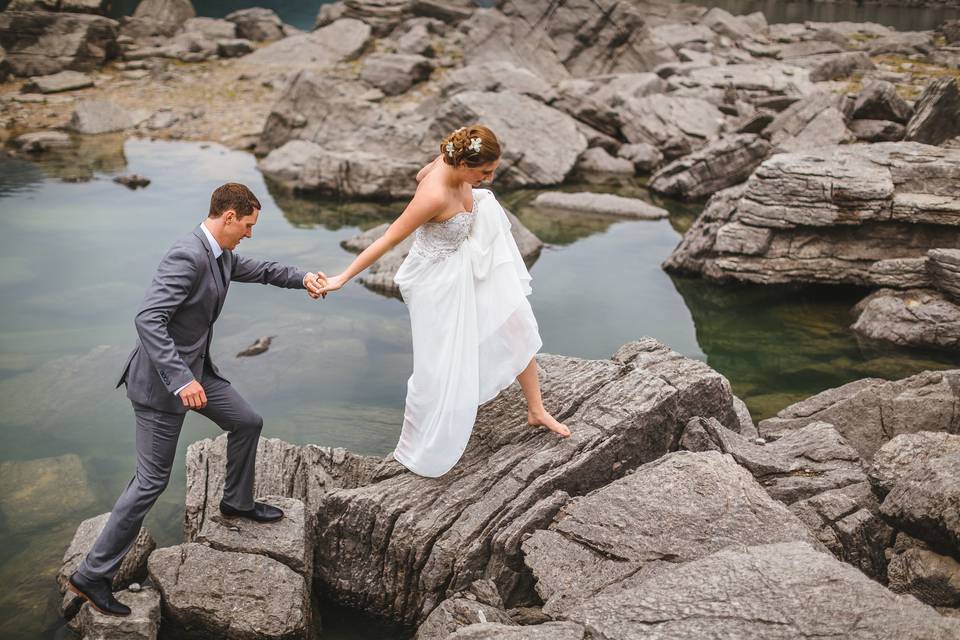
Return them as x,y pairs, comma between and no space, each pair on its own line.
77,251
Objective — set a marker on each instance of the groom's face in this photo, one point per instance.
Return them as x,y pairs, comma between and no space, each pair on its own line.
236,229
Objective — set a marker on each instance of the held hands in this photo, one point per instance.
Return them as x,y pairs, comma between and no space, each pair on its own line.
193,396
332,284
314,283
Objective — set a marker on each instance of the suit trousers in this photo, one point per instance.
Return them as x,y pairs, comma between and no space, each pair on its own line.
157,435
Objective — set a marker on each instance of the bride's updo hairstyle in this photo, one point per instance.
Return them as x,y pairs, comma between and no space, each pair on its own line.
474,146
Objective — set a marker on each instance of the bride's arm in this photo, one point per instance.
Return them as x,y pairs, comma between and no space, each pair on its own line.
427,169
423,207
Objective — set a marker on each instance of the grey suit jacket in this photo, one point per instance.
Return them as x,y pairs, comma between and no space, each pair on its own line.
175,323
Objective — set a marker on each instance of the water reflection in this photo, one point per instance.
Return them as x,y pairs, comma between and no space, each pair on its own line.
331,214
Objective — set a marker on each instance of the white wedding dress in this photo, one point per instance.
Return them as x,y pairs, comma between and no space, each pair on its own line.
466,287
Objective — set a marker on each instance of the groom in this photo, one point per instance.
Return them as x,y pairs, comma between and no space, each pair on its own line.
170,372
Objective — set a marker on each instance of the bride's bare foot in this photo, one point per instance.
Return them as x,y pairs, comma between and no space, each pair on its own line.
544,419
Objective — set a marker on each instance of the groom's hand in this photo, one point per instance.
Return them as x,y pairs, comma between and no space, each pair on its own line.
193,396
314,282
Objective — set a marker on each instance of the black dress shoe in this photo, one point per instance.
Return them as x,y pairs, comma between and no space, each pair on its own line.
98,593
260,513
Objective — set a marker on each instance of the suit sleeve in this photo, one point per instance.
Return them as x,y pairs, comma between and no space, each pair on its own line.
279,275
171,285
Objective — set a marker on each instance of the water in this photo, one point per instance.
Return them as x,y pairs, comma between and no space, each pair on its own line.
77,251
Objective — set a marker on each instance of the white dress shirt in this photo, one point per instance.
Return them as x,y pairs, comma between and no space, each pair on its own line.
217,252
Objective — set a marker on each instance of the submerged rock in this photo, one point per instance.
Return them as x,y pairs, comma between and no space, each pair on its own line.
43,491
602,203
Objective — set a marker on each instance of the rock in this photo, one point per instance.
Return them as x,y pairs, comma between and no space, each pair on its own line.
734,27
597,160
167,15
545,631
869,412
841,65
428,537
379,277
257,24
42,43
339,41
740,593
161,119
497,76
799,465
811,123
912,318
693,504
59,82
721,164
143,623
879,100
675,126
258,347
916,473
134,565
418,36
951,31
645,157
234,48
597,101
99,116
777,78
856,214
943,266
903,42
678,35
210,593
210,28
456,613
395,73
935,118
43,491
132,181
877,130
928,576
40,141
601,203
450,12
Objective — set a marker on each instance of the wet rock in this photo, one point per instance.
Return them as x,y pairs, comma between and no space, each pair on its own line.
395,73
143,623
132,569
718,165
437,535
43,491
841,65
879,100
740,593
693,504
598,160
59,82
99,116
912,318
918,476
339,41
257,24
602,203
801,464
847,521
167,16
934,118
943,266
209,593
43,43
545,631
645,157
379,277
877,130
870,411
456,613
40,141
497,76
132,181
258,347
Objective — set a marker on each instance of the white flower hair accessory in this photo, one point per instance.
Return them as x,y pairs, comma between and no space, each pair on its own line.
475,144
449,148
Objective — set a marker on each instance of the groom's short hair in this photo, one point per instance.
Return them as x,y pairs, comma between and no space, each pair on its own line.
233,195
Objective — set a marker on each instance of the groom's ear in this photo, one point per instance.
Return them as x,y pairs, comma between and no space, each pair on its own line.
229,216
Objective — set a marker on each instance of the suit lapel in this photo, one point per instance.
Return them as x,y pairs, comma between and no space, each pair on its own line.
214,271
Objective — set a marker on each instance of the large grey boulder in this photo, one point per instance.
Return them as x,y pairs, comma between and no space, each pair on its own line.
339,41
785,590
935,118
676,509
379,277
599,203
799,465
811,123
40,141
877,130
879,100
871,411
59,82
721,164
840,65
211,28
599,160
426,538
497,76
922,496
143,623
902,42
257,24
943,265
166,15
861,214
762,78
42,43
132,569
395,73
674,125
920,318
734,27
99,116
208,593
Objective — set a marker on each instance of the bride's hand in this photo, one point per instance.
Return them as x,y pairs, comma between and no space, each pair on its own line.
332,284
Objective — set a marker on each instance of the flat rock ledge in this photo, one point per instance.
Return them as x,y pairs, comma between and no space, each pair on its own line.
599,203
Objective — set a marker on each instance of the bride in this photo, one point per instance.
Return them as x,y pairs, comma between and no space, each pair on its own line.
465,285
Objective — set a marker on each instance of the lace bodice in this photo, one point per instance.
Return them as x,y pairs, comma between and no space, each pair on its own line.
437,240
